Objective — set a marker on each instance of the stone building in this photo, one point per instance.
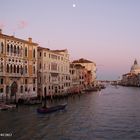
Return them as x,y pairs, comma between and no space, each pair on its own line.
77,78
89,65
53,72
80,77
133,77
135,68
18,67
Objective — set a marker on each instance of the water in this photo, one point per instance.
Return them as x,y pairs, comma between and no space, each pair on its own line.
111,114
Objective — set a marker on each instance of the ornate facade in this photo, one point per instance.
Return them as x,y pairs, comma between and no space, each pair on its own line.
133,77
18,67
135,68
53,72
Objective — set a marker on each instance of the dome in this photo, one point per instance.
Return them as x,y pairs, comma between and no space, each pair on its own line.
135,67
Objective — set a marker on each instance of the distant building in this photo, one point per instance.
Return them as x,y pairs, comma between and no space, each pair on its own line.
18,67
133,77
77,77
135,68
53,71
81,78
89,65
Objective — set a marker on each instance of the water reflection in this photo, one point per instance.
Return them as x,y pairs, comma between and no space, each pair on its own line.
112,113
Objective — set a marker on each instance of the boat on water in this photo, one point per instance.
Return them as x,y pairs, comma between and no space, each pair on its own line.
4,106
45,110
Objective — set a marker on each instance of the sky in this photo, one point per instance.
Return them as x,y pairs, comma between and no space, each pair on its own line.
104,31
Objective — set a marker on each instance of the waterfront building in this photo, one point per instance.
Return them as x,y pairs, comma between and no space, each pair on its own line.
18,67
133,77
77,78
89,65
130,79
53,72
81,78
135,68
138,79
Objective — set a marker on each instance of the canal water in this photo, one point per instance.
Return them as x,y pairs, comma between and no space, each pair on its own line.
110,114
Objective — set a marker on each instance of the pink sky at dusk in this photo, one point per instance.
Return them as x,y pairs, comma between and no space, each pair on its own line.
104,31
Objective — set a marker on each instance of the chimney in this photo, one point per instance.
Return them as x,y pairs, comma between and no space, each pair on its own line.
30,39
0,31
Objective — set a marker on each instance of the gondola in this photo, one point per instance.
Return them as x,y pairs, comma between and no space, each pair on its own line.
45,110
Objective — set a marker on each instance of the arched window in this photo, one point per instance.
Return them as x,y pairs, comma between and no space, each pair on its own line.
7,68
34,53
34,81
15,49
18,50
11,48
1,47
45,91
26,69
25,51
11,69
21,70
21,89
1,67
8,48
14,68
18,69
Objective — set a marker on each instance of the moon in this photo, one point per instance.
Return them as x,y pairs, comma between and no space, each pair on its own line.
73,5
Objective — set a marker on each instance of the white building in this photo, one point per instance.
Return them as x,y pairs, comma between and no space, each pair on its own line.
53,71
135,68
132,78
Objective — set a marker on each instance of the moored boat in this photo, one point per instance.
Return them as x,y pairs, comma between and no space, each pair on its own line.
4,106
45,110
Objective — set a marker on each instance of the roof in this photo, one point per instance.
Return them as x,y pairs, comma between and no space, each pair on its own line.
135,66
129,74
64,50
51,51
42,48
82,60
79,66
17,39
72,65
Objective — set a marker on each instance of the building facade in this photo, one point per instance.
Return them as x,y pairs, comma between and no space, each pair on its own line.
133,77
80,77
90,66
53,72
18,67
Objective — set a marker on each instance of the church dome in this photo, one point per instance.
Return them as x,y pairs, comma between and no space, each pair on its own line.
135,67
